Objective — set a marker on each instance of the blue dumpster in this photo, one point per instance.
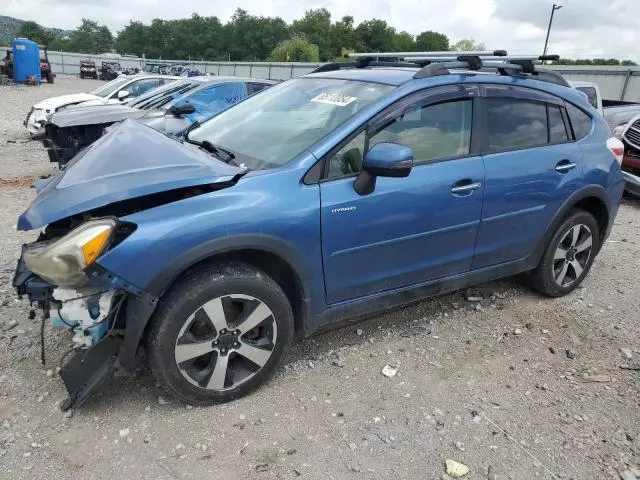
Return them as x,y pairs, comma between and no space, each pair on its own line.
26,59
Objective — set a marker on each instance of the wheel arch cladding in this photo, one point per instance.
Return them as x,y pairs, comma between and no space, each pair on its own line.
596,207
271,255
592,199
268,262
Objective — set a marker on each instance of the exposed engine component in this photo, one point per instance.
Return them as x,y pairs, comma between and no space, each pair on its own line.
84,310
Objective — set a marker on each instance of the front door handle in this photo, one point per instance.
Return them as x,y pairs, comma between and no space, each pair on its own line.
466,188
564,166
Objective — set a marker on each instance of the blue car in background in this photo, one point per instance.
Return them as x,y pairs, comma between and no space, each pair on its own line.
358,188
172,108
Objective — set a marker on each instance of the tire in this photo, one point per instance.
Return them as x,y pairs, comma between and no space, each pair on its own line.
567,258
50,77
189,347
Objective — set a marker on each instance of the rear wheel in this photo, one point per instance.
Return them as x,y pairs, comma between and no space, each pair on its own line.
219,334
568,256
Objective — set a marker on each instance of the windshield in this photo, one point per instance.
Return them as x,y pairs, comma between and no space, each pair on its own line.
270,129
110,87
165,93
591,95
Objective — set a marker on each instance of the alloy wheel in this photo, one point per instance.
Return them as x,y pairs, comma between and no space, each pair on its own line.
572,255
225,342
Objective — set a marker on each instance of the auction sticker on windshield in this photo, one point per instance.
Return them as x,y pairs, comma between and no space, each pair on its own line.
333,99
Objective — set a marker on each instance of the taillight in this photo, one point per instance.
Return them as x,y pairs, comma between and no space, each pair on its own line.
617,148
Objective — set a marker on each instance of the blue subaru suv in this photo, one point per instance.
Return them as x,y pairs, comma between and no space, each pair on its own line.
355,189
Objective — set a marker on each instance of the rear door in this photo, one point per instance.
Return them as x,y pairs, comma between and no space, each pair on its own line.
532,166
408,230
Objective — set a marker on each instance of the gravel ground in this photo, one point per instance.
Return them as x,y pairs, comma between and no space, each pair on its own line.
515,387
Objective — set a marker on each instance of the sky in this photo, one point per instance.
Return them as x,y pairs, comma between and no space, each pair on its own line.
581,29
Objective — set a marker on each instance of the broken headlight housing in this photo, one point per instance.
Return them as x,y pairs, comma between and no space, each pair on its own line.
62,262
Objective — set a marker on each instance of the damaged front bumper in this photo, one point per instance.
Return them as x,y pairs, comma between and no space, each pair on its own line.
97,315
34,123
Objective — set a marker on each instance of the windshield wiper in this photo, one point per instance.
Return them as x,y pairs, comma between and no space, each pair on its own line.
224,155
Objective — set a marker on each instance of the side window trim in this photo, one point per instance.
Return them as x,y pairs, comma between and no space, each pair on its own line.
521,93
422,99
564,123
567,124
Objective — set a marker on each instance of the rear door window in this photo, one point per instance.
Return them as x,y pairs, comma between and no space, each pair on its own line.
515,124
557,128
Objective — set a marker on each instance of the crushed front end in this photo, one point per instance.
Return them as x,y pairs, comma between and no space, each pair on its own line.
58,275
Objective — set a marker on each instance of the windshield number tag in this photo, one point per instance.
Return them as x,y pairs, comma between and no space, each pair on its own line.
333,99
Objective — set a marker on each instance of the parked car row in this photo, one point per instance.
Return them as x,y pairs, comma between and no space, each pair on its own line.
360,187
172,108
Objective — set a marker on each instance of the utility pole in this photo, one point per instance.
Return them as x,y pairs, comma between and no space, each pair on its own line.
553,10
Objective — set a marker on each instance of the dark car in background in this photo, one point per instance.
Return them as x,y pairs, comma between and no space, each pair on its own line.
171,108
88,69
109,70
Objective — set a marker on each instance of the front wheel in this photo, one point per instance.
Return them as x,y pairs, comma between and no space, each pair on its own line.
219,334
568,256
50,77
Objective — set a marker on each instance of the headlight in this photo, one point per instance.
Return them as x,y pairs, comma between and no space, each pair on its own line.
62,262
39,116
617,132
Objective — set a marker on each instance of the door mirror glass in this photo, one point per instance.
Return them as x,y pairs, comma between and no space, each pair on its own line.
389,160
122,94
383,160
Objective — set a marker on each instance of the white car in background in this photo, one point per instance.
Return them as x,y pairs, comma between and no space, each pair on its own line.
119,90
615,112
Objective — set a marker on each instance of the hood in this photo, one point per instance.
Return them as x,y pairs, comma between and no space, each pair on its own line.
94,114
131,161
51,104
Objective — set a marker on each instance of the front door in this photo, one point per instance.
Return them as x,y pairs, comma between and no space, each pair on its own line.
408,230
532,166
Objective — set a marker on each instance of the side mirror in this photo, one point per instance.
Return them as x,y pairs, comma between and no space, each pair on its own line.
122,94
383,160
182,109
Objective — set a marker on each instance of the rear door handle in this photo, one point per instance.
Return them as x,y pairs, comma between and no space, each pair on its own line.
466,188
564,166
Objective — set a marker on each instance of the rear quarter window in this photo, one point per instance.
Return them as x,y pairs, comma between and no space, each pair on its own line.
580,121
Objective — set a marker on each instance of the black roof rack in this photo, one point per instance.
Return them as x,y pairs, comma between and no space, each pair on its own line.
440,63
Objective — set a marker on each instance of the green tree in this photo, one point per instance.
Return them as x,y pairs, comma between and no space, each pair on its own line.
403,42
253,38
315,26
90,37
432,42
35,33
468,45
341,37
132,39
374,36
296,49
